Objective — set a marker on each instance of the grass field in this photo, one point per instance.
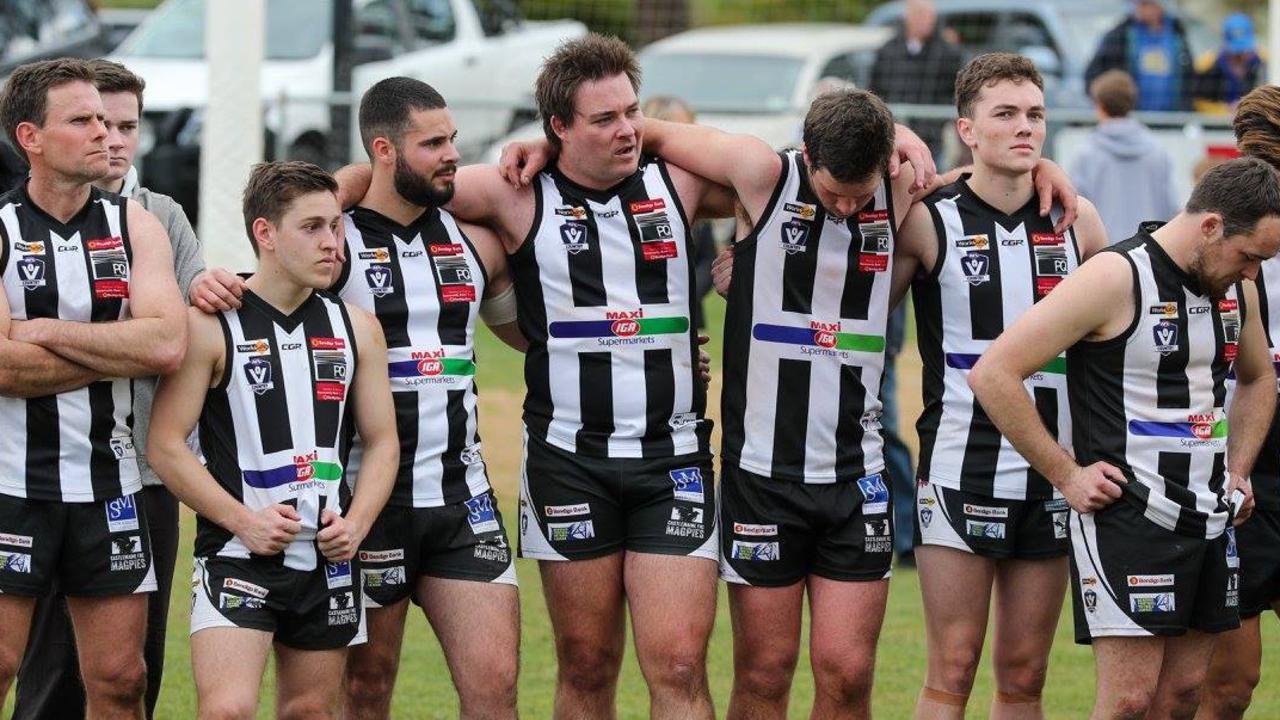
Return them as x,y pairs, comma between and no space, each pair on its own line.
424,689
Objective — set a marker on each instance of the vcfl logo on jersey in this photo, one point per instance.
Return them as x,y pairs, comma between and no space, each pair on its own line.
31,272
257,372
1165,333
795,236
378,277
574,235
976,267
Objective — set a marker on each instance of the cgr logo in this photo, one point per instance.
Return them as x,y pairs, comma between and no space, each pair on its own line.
824,338
624,328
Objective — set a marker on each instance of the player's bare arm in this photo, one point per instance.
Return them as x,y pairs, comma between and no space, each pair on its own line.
498,306
341,536
1253,404
152,341
29,370
915,251
1091,235
1083,307
178,403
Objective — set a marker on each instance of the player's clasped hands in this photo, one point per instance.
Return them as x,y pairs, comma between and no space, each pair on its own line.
1093,487
270,530
337,540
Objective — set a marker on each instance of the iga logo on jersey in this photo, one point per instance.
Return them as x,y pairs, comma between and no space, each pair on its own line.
875,494
481,515
976,267
1165,334
574,235
688,484
122,514
795,236
31,272
378,278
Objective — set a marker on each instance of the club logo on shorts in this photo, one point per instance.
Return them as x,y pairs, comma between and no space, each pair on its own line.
1059,526
795,236
574,235
875,494
754,551
564,532
337,575
122,514
31,272
127,554
257,372
15,562
1090,600
378,277
227,601
481,514
1151,602
878,539
688,484
1165,333
383,577
493,549
686,521
1233,554
988,530
342,609
1233,590
926,516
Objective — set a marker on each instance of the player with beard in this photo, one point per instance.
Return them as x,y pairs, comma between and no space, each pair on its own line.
1152,327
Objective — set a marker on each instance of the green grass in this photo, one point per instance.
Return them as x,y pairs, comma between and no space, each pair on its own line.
424,689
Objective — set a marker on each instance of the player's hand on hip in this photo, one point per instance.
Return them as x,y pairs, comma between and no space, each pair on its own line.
1094,487
722,271
216,290
337,539
1241,504
270,530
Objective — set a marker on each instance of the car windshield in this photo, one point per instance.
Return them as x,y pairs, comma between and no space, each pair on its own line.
723,82
176,30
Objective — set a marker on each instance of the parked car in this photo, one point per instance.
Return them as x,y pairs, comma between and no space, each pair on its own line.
467,49
756,79
1060,36
33,30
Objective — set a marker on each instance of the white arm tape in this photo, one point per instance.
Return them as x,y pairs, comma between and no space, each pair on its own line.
499,309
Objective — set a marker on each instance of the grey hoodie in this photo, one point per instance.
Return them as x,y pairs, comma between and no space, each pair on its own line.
1128,176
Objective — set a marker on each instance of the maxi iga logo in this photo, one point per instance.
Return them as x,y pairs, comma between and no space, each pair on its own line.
875,494
819,338
308,471
481,514
1199,430
329,358
430,367
1165,335
619,327
110,266
31,272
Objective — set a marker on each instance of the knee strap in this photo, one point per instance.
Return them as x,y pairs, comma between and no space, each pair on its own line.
1005,698
944,698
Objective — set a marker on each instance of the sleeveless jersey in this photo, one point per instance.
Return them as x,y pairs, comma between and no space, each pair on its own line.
991,268
1151,401
76,446
604,285
1266,470
804,341
424,283
276,429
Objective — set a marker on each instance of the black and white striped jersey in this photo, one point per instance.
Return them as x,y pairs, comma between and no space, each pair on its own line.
805,336
276,428
75,446
1151,401
1266,471
604,284
424,282
991,268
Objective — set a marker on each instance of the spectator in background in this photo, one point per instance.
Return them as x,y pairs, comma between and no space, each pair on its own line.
918,66
1121,167
1151,45
673,109
1236,69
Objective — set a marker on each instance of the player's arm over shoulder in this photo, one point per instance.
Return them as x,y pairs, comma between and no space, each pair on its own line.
1091,234
744,163
481,196
498,306
915,250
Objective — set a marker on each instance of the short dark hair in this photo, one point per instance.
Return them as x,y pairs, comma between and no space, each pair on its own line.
273,186
112,77
385,108
25,97
1115,92
586,59
1242,191
986,70
850,133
